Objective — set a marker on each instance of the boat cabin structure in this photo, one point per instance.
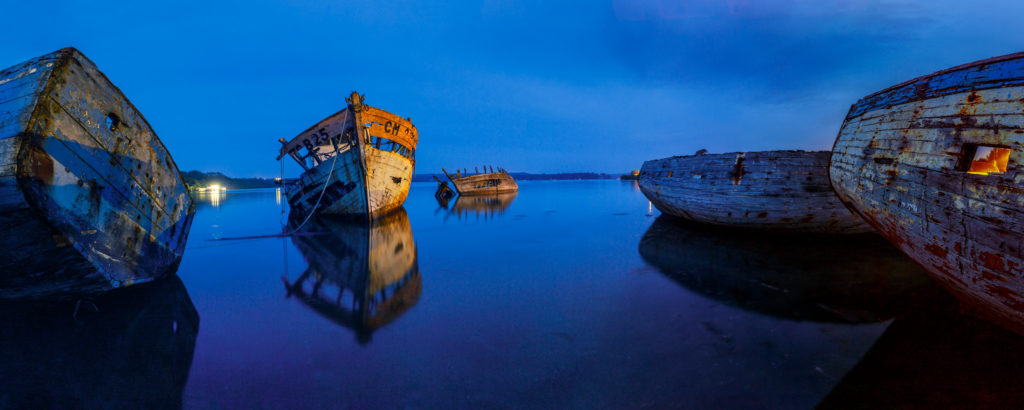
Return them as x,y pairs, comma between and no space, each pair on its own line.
358,161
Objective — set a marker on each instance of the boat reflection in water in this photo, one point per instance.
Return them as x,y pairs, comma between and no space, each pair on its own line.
486,206
937,357
129,348
822,278
361,275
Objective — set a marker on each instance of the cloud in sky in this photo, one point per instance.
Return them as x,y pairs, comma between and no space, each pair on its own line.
529,85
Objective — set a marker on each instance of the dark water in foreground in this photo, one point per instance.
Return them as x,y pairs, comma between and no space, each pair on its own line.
570,294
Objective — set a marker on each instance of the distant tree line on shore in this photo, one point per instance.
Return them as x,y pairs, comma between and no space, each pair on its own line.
526,176
199,179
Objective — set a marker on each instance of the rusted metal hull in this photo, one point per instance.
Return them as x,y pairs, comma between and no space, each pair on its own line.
368,175
901,161
361,275
490,183
90,199
796,276
775,190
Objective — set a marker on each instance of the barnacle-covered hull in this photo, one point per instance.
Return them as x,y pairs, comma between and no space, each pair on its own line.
933,165
368,175
90,199
776,190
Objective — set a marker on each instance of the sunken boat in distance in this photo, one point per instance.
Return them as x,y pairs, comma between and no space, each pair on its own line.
776,190
486,183
358,161
361,274
90,199
934,165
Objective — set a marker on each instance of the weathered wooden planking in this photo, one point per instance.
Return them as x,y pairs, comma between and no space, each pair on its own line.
796,276
489,183
361,275
367,175
898,160
777,190
94,199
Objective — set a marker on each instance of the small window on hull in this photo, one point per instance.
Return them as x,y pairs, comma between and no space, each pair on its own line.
984,159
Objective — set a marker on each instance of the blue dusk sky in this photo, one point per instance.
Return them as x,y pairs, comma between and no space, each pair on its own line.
537,86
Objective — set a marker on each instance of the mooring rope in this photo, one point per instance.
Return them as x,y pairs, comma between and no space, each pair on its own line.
309,214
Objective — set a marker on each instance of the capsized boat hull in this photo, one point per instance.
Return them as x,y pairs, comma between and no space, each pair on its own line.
775,190
90,199
904,159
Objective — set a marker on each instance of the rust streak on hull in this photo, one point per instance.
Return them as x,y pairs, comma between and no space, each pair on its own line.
89,197
359,161
902,158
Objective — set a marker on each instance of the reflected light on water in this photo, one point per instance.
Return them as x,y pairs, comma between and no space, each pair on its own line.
214,195
277,196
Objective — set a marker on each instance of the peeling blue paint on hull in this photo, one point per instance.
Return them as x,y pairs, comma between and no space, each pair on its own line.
90,199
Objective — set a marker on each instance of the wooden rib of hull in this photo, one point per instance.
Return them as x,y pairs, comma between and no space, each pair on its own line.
485,184
366,180
374,263
895,162
777,190
90,199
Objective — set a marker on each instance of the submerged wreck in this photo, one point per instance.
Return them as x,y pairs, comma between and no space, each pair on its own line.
360,275
90,199
933,164
776,190
486,183
358,161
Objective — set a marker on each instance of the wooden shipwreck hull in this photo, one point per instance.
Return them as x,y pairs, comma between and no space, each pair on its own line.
933,165
358,161
776,190
796,276
360,275
89,197
487,183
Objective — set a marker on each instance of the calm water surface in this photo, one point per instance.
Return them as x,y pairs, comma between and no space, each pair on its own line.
569,294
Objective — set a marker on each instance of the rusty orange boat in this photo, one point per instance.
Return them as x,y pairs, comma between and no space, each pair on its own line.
358,161
933,164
